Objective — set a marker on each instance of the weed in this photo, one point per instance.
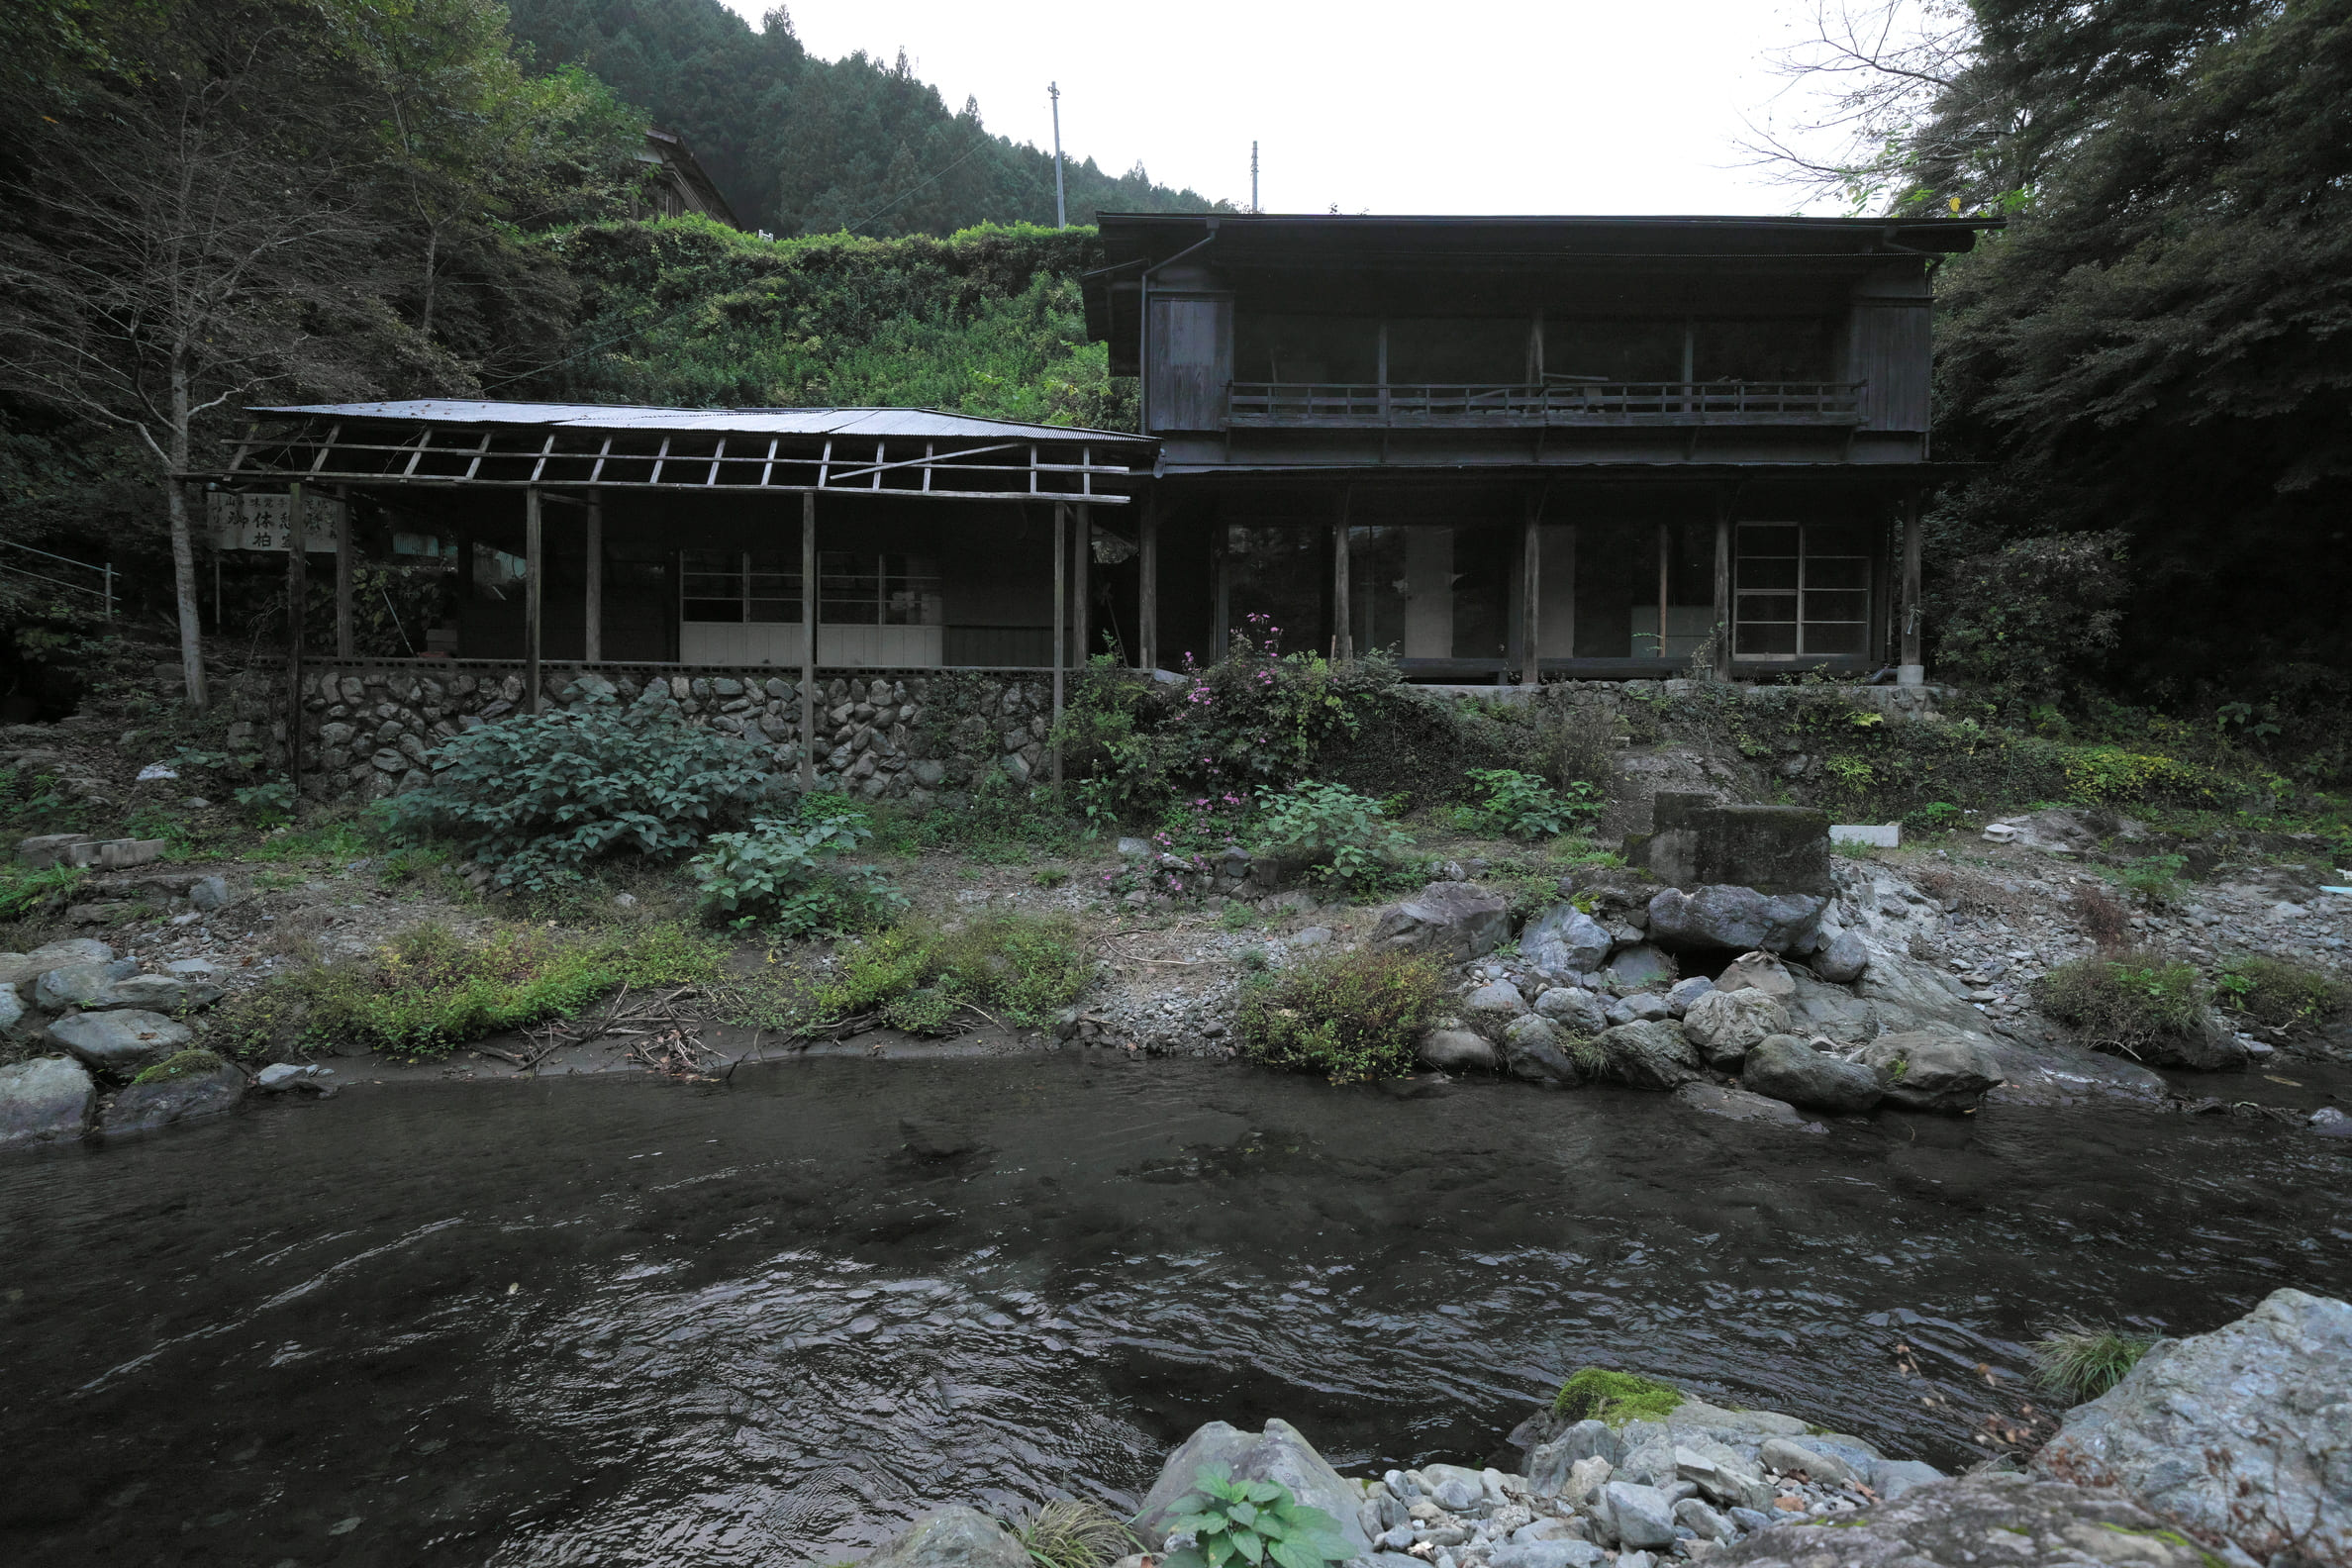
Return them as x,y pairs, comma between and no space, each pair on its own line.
1239,916
2104,918
789,874
1613,1398
2078,1362
1523,806
2155,879
179,1064
337,842
1048,877
1936,817
1351,1016
1572,851
1253,960
2126,1000
1854,850
1246,1524
2278,992
24,892
1338,831
1012,968
1064,1533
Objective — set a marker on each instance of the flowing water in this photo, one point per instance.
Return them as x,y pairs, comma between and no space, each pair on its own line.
615,1322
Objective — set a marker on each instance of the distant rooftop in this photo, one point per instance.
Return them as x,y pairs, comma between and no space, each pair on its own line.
876,423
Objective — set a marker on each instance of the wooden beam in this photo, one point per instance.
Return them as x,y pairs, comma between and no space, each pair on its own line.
343,640
534,593
1665,555
297,608
1081,589
1148,589
1531,589
1914,670
592,638
1565,568
808,680
1726,503
1061,615
1342,618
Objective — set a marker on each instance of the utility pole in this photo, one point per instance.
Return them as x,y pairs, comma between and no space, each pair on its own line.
1061,215
1253,201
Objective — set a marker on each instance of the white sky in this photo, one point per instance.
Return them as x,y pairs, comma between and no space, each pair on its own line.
1472,106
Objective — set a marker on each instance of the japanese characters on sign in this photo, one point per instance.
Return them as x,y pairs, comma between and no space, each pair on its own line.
261,522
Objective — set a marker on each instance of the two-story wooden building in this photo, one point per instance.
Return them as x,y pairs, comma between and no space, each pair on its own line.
1498,447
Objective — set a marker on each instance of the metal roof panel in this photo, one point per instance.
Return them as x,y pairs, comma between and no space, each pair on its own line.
875,422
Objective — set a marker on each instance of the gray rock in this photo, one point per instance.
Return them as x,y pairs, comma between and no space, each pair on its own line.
1130,849
120,1041
1641,965
1788,1456
1741,1106
1458,1050
209,892
159,992
1494,1005
1844,960
1891,1478
1932,1069
1574,1008
1820,1008
2037,1524
143,1108
1456,921
1757,971
278,1077
953,1538
1639,1008
1906,994
1639,1516
2244,1433
1727,1024
1454,1488
1281,1453
12,1010
1684,995
1704,1522
1726,1476
44,1100
193,968
1565,941
1738,917
1545,1554
76,985
1787,1068
2329,1121
1531,1048
1654,1055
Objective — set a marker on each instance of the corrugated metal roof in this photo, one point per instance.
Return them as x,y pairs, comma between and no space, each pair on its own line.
873,422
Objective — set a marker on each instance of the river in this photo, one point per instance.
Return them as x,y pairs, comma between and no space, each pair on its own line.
620,1321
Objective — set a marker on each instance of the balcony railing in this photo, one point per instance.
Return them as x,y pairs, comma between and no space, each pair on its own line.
1340,405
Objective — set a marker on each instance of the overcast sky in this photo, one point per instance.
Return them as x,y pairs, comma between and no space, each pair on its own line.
1572,106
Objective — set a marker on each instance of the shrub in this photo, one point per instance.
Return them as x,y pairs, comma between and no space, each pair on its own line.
1613,1398
1011,968
179,1064
789,874
1336,829
536,798
2109,775
1523,806
1351,1016
2033,619
1064,1533
2078,1362
2154,879
1249,1523
2105,918
2278,992
2127,1000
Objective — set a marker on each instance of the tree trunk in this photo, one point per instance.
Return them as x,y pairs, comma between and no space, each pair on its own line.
183,546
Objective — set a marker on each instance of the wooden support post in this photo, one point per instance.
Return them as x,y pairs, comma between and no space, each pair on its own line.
808,680
535,585
1531,591
1665,555
1725,504
343,642
1061,615
1147,588
1913,668
1081,590
592,636
297,608
1342,569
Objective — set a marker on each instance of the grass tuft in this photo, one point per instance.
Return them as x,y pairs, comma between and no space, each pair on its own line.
2278,992
1017,969
1066,1534
1352,1015
2126,1001
1613,1398
2079,1362
179,1064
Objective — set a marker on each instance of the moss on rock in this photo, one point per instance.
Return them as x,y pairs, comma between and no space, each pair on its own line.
1614,1397
180,1064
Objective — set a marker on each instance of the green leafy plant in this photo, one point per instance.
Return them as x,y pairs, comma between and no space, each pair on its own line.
2278,992
24,892
1936,817
789,875
1350,1016
2155,879
269,801
1339,833
2078,1362
538,797
1613,1398
1074,1534
1524,806
1254,1522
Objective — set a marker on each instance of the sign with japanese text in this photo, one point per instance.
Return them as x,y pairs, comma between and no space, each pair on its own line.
259,521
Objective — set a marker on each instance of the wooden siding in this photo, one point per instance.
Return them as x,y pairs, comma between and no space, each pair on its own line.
1192,361
1890,350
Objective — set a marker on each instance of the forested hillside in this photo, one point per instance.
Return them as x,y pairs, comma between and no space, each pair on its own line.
807,145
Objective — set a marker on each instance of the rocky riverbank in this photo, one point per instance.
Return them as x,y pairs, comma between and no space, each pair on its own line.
2223,1450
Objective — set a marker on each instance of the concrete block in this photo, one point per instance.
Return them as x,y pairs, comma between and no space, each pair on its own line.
1879,835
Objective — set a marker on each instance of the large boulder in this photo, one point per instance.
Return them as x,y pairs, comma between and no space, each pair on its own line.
1738,1105
1565,943
44,1100
2243,1434
1574,1008
1787,1068
1844,960
1932,1069
2065,1075
23,969
122,1040
1727,1024
1493,1005
161,993
1458,1051
201,1088
1906,994
1757,971
1649,1055
953,1538
1641,964
1533,1047
1696,840
80,985
1281,1453
1738,917
1976,1522
1455,920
